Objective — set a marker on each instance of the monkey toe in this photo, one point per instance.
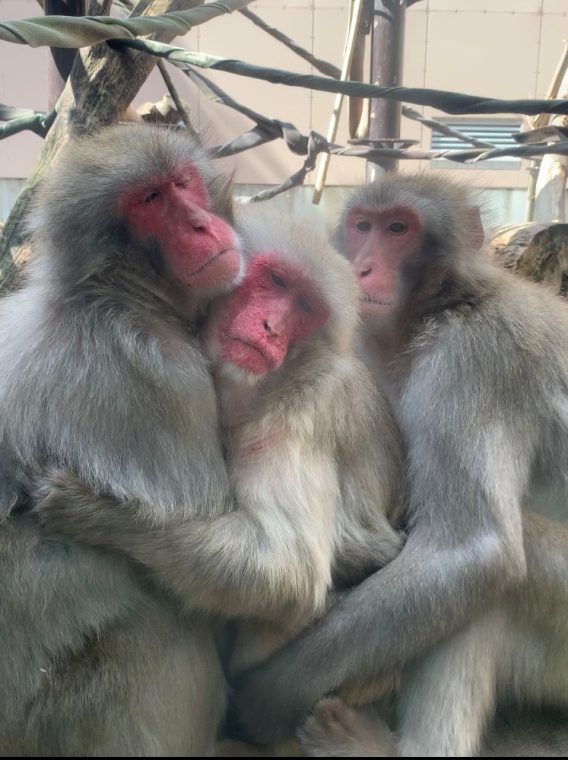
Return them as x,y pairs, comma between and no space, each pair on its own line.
336,730
330,728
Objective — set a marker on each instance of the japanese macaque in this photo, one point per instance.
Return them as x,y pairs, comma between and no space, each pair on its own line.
314,455
101,374
475,607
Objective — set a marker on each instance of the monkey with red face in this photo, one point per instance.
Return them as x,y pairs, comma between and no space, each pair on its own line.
102,374
314,457
476,605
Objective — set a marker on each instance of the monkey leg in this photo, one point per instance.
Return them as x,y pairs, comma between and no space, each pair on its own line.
336,730
448,696
534,666
151,687
528,734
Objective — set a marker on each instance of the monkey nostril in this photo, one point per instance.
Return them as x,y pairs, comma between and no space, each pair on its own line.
266,326
365,272
199,221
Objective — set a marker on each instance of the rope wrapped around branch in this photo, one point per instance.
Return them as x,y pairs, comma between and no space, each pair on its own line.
83,31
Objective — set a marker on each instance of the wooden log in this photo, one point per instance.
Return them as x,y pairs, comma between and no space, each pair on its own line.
534,250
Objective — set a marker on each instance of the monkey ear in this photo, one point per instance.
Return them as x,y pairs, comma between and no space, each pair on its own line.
475,227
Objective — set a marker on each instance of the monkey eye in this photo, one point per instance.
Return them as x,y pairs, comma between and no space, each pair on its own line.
398,228
305,305
278,280
151,196
363,226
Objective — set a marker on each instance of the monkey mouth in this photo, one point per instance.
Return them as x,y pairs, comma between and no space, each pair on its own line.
209,261
269,361
376,301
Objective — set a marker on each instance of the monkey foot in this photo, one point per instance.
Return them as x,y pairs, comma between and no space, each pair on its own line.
335,730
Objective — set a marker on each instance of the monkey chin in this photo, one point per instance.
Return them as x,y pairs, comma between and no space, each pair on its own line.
226,370
236,375
375,313
219,275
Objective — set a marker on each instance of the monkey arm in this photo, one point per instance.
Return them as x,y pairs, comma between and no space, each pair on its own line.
464,549
364,552
392,616
239,564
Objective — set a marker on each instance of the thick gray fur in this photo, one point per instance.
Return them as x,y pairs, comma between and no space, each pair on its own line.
100,374
476,605
315,464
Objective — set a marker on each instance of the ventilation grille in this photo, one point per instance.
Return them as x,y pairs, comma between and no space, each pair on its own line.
498,133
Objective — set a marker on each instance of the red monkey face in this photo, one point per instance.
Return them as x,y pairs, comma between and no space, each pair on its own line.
378,243
274,307
200,248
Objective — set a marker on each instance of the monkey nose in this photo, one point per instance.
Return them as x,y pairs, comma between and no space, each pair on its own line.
270,328
200,221
197,218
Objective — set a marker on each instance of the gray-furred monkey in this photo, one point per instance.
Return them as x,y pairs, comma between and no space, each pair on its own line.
101,373
476,604
314,454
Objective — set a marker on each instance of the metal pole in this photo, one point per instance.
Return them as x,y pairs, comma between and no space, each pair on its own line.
62,59
387,47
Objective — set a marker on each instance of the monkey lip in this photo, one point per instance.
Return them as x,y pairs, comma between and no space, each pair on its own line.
375,301
270,364
209,261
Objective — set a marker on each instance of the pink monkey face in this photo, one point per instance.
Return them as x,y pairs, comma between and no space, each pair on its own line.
274,307
377,243
200,248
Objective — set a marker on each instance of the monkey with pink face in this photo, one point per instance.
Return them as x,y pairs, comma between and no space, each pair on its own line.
314,456
102,373
475,607
313,453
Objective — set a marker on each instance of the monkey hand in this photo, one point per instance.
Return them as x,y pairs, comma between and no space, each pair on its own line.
269,702
67,507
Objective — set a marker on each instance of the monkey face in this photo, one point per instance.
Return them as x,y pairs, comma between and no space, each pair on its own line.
274,307
200,249
378,243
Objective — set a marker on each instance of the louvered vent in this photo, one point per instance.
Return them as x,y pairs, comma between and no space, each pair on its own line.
498,133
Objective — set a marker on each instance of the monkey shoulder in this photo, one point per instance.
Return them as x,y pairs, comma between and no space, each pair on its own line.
498,356
130,411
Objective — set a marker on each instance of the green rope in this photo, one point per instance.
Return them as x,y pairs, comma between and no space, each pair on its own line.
72,32
451,102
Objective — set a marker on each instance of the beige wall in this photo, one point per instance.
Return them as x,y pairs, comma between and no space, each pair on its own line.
498,48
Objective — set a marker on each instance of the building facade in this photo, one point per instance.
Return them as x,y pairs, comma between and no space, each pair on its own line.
497,48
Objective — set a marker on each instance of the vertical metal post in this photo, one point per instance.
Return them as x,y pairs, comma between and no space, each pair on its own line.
59,67
387,48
